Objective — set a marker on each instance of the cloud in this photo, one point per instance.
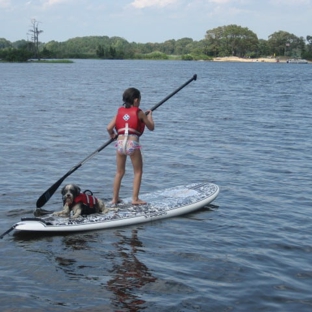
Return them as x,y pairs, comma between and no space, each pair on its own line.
5,3
291,2
221,1
141,4
54,2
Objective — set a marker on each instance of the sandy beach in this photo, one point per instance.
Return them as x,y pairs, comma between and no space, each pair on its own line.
250,60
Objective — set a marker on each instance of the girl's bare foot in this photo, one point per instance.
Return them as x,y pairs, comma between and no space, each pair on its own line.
118,201
138,202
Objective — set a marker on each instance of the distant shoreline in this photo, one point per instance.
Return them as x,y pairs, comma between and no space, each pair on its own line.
215,59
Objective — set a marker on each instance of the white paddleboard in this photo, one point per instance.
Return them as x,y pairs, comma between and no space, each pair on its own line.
162,204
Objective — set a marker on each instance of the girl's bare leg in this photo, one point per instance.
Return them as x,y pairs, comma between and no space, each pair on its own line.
120,172
137,163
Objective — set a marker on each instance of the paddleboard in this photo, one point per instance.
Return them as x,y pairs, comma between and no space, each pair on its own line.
161,204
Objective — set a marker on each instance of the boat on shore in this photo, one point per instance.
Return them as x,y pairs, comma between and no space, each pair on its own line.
297,61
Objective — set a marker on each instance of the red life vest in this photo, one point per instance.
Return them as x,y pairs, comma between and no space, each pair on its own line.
88,203
127,118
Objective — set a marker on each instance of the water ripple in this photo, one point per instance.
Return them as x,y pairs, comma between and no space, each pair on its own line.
245,127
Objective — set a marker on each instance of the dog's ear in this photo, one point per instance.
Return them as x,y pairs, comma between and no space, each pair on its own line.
62,190
77,189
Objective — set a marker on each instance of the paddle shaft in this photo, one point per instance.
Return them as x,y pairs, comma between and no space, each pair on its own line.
173,93
42,200
8,231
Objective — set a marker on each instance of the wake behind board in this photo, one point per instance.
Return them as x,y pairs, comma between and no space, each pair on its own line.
162,204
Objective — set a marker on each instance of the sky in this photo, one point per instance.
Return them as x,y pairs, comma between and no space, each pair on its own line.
143,21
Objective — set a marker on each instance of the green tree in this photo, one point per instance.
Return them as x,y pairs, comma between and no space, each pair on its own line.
15,55
309,40
307,54
100,51
213,40
123,48
183,46
263,48
112,52
231,40
5,43
47,54
168,47
22,43
283,43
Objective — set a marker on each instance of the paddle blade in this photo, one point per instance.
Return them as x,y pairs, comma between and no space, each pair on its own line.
43,199
41,212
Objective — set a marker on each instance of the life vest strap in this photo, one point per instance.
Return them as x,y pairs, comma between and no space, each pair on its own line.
88,197
130,131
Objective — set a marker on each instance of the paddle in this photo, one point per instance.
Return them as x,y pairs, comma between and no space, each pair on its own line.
42,200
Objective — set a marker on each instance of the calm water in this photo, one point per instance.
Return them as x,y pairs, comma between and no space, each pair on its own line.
245,127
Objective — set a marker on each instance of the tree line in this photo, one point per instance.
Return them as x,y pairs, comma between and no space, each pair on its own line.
230,40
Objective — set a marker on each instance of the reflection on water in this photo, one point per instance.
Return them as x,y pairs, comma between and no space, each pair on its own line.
77,258
79,242
128,273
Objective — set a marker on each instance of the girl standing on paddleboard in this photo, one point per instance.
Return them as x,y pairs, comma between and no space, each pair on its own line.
128,125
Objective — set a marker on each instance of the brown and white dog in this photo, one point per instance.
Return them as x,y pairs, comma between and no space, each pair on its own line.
79,203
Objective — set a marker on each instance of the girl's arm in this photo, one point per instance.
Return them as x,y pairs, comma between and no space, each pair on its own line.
147,119
110,128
